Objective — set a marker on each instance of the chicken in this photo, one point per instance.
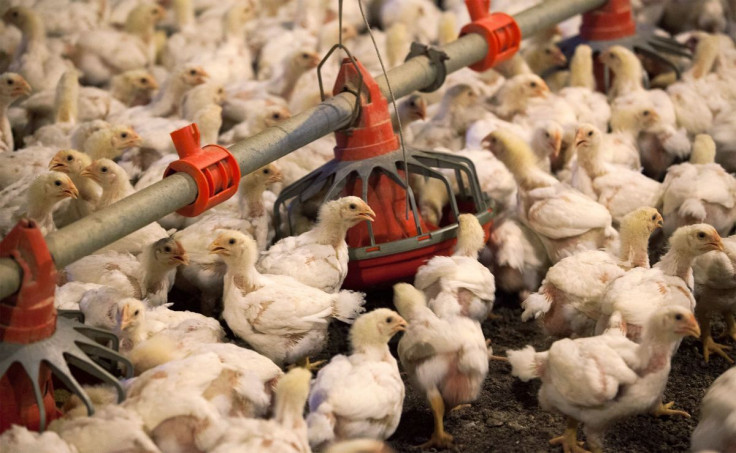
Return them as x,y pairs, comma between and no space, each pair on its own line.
715,430
200,97
12,87
19,439
319,257
43,194
73,162
600,380
589,105
277,315
40,66
111,429
459,108
459,284
256,122
668,283
410,109
285,432
714,291
206,270
133,87
565,220
116,186
569,298
513,97
699,191
445,357
617,188
360,395
149,276
102,53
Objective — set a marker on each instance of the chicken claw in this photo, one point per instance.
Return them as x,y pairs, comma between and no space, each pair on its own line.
710,345
730,330
308,364
569,439
441,440
490,353
664,409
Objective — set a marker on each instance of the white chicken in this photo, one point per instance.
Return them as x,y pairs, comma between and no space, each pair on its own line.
715,430
600,380
150,275
459,283
19,439
73,162
277,315
460,107
565,220
714,291
668,283
617,188
286,431
446,357
569,298
360,395
12,87
699,191
43,194
319,257
515,94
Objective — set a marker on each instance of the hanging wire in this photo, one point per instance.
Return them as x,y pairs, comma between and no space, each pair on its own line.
393,101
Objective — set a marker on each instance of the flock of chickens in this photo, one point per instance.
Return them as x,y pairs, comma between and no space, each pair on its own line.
582,181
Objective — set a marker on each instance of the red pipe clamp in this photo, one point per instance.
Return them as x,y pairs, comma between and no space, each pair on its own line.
213,168
500,31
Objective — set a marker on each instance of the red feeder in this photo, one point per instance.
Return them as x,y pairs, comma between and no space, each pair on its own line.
613,24
369,163
35,343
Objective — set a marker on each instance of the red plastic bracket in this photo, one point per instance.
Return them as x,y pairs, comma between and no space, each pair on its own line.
373,134
499,30
611,21
29,315
213,168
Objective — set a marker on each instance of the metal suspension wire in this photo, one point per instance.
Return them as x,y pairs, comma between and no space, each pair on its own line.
178,190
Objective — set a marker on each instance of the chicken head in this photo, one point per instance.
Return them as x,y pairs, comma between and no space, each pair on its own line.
170,252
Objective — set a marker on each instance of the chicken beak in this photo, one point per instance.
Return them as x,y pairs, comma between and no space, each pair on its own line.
217,249
152,84
89,173
314,61
660,221
124,317
580,138
58,164
367,214
692,328
556,144
401,326
716,245
201,77
22,89
276,176
72,192
421,109
542,91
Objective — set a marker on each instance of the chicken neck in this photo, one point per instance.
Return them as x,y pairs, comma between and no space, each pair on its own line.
167,98
634,248
155,273
628,78
677,263
40,208
330,230
101,144
581,71
33,37
592,162
120,189
250,200
654,353
283,85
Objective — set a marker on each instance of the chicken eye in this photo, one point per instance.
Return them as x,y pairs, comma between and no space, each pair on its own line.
69,158
10,82
590,133
57,183
144,80
103,169
547,52
15,13
533,84
192,72
701,235
390,319
124,135
266,171
645,113
546,134
305,56
167,249
678,317
352,206
231,241
135,313
412,104
275,116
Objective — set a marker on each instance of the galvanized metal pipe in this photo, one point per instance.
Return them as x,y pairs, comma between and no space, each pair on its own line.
104,227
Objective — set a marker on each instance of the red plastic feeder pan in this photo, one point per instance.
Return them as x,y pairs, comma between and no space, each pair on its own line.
370,164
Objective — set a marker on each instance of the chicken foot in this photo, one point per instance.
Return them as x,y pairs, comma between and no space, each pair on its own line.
709,345
490,353
440,438
664,409
730,327
569,439
308,364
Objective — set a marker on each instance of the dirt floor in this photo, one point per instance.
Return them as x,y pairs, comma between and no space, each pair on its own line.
506,417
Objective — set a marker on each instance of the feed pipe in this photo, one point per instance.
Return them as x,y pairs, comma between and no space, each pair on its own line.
101,228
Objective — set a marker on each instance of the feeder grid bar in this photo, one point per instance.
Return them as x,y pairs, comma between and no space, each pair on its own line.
178,190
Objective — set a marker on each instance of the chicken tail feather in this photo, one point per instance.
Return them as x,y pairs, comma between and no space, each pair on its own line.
525,364
348,305
535,306
692,208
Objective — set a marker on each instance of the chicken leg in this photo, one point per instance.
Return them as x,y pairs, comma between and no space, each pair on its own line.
569,439
730,327
439,439
308,364
709,345
664,409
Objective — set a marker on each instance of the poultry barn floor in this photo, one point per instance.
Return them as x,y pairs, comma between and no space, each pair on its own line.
507,418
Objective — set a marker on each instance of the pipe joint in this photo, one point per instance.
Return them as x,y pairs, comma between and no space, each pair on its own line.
499,30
